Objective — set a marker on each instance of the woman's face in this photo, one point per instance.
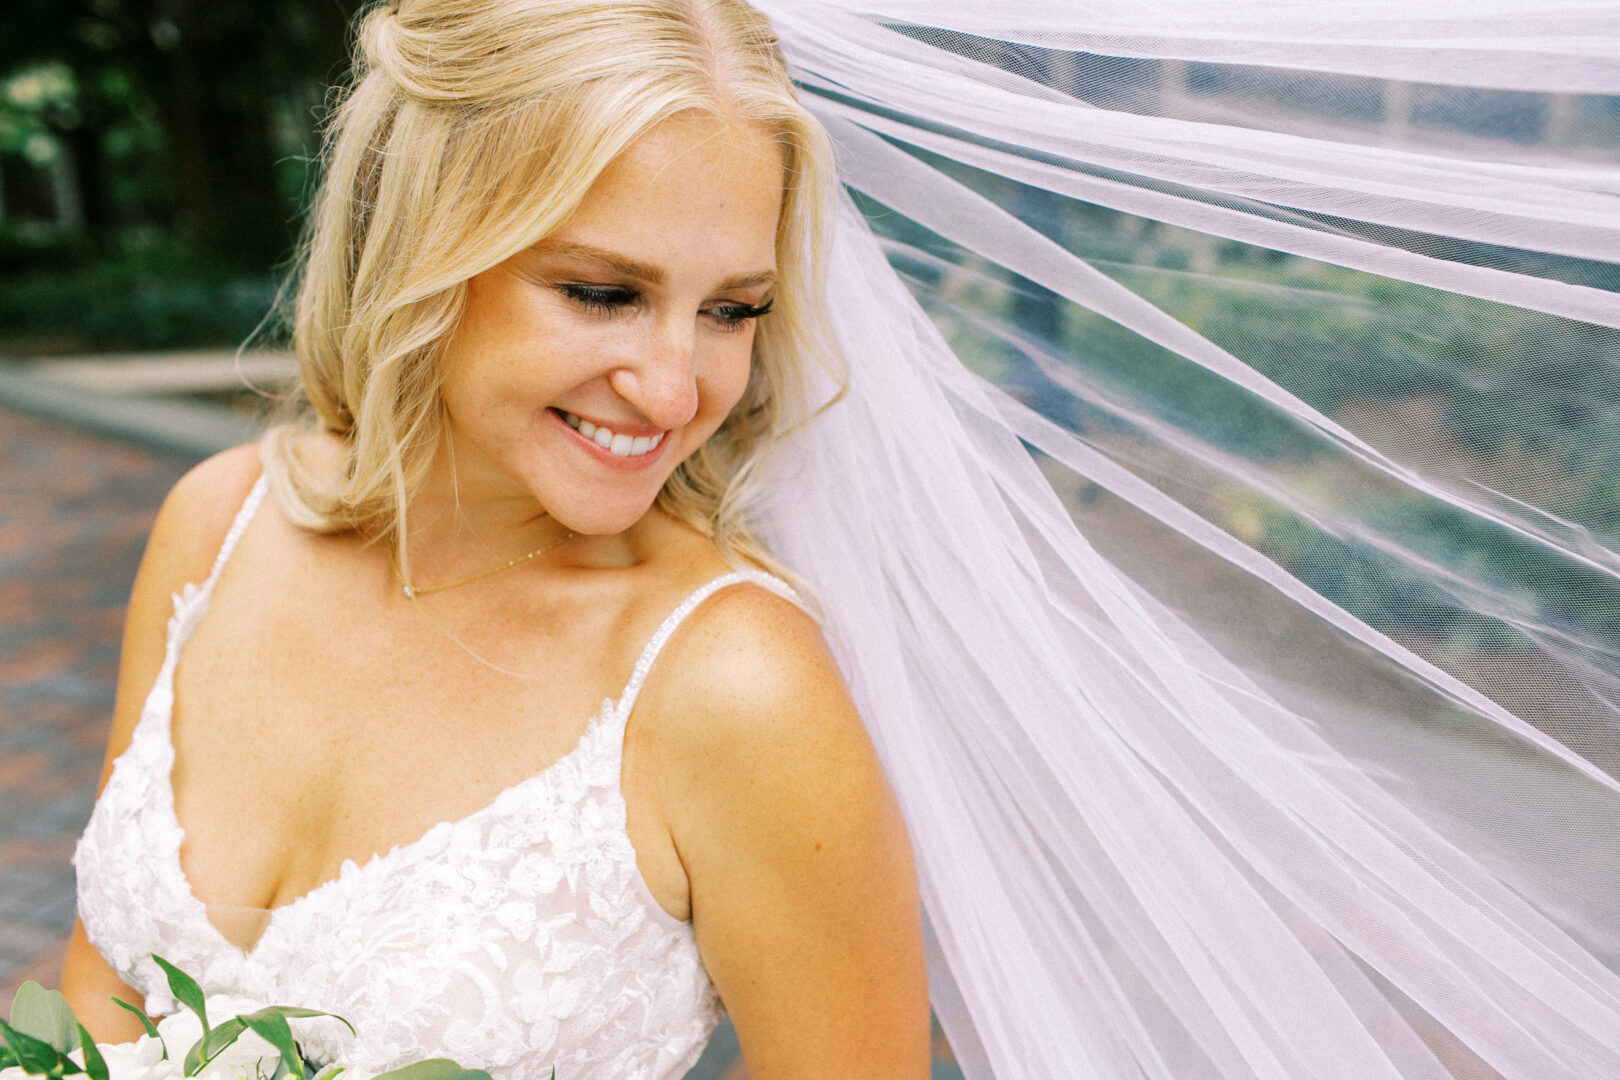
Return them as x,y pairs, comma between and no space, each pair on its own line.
586,368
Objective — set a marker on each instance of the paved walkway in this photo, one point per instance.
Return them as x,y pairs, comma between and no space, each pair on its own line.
75,508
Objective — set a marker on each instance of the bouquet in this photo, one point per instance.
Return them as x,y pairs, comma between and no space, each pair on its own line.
252,1042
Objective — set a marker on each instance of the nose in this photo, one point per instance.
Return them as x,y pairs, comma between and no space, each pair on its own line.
659,378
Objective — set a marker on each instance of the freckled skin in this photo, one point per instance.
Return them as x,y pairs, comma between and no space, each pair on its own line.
693,200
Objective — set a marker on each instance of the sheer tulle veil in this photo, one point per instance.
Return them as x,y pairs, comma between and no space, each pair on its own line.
1221,531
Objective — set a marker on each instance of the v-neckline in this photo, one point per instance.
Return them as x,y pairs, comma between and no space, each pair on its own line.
349,868
192,603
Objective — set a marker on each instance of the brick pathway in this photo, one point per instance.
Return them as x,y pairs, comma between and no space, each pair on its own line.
74,512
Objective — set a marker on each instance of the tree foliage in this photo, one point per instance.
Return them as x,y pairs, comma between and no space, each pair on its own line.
192,118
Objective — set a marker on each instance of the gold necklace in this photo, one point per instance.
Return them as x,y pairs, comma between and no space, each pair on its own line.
413,591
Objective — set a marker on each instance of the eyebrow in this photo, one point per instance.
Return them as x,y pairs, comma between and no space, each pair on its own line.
641,271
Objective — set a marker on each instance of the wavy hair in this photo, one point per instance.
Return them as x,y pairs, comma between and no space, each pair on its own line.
473,129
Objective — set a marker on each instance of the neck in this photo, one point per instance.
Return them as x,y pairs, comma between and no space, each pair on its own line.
456,525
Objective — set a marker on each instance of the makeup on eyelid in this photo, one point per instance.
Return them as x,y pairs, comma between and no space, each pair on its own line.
610,299
586,368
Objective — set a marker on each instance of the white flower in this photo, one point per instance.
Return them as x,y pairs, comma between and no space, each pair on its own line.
179,1032
347,1073
242,1059
248,1058
139,1060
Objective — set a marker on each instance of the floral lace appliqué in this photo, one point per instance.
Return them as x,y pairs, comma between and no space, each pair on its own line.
517,939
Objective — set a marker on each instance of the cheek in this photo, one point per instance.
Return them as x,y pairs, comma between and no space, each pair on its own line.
728,378
492,314
508,365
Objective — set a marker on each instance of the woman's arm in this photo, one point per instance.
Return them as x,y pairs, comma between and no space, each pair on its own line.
190,526
804,895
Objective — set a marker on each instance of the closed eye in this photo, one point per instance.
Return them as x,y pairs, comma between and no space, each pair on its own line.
601,299
733,316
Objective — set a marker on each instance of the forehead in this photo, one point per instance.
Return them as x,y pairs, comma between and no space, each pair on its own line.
693,193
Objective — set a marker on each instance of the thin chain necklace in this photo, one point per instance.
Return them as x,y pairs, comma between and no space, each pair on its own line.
413,591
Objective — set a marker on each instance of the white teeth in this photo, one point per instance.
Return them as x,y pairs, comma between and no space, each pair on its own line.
618,445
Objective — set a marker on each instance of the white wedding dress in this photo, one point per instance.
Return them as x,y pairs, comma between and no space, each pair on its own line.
517,939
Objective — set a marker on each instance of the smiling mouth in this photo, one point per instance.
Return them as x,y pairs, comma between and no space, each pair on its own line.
614,443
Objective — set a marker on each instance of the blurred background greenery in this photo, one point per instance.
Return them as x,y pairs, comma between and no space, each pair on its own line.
155,156
1509,407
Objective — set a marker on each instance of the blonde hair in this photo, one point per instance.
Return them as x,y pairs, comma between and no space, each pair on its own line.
473,129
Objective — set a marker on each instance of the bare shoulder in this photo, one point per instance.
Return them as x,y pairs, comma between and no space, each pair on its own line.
198,512
751,671
802,888
748,725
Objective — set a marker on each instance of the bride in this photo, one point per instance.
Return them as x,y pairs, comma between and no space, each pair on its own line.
1298,760
477,685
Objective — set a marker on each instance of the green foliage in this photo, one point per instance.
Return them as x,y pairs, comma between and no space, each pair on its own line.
269,1023
436,1069
195,119
146,1021
43,1031
95,1066
1500,391
35,1056
272,1027
33,102
45,1015
158,298
185,991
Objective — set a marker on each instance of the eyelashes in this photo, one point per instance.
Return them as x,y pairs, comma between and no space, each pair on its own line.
743,312
602,299
608,300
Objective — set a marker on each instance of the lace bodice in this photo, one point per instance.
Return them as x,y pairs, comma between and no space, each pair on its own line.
518,938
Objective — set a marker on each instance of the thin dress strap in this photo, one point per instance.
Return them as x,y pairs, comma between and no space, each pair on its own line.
250,506
191,602
627,700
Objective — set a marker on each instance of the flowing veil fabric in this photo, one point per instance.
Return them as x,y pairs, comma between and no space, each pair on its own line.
1221,530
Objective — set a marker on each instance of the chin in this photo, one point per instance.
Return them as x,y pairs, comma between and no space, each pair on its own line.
600,516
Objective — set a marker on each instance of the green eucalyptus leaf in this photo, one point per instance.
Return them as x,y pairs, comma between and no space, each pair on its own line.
146,1022
272,1027
46,1015
36,1055
94,1064
434,1069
